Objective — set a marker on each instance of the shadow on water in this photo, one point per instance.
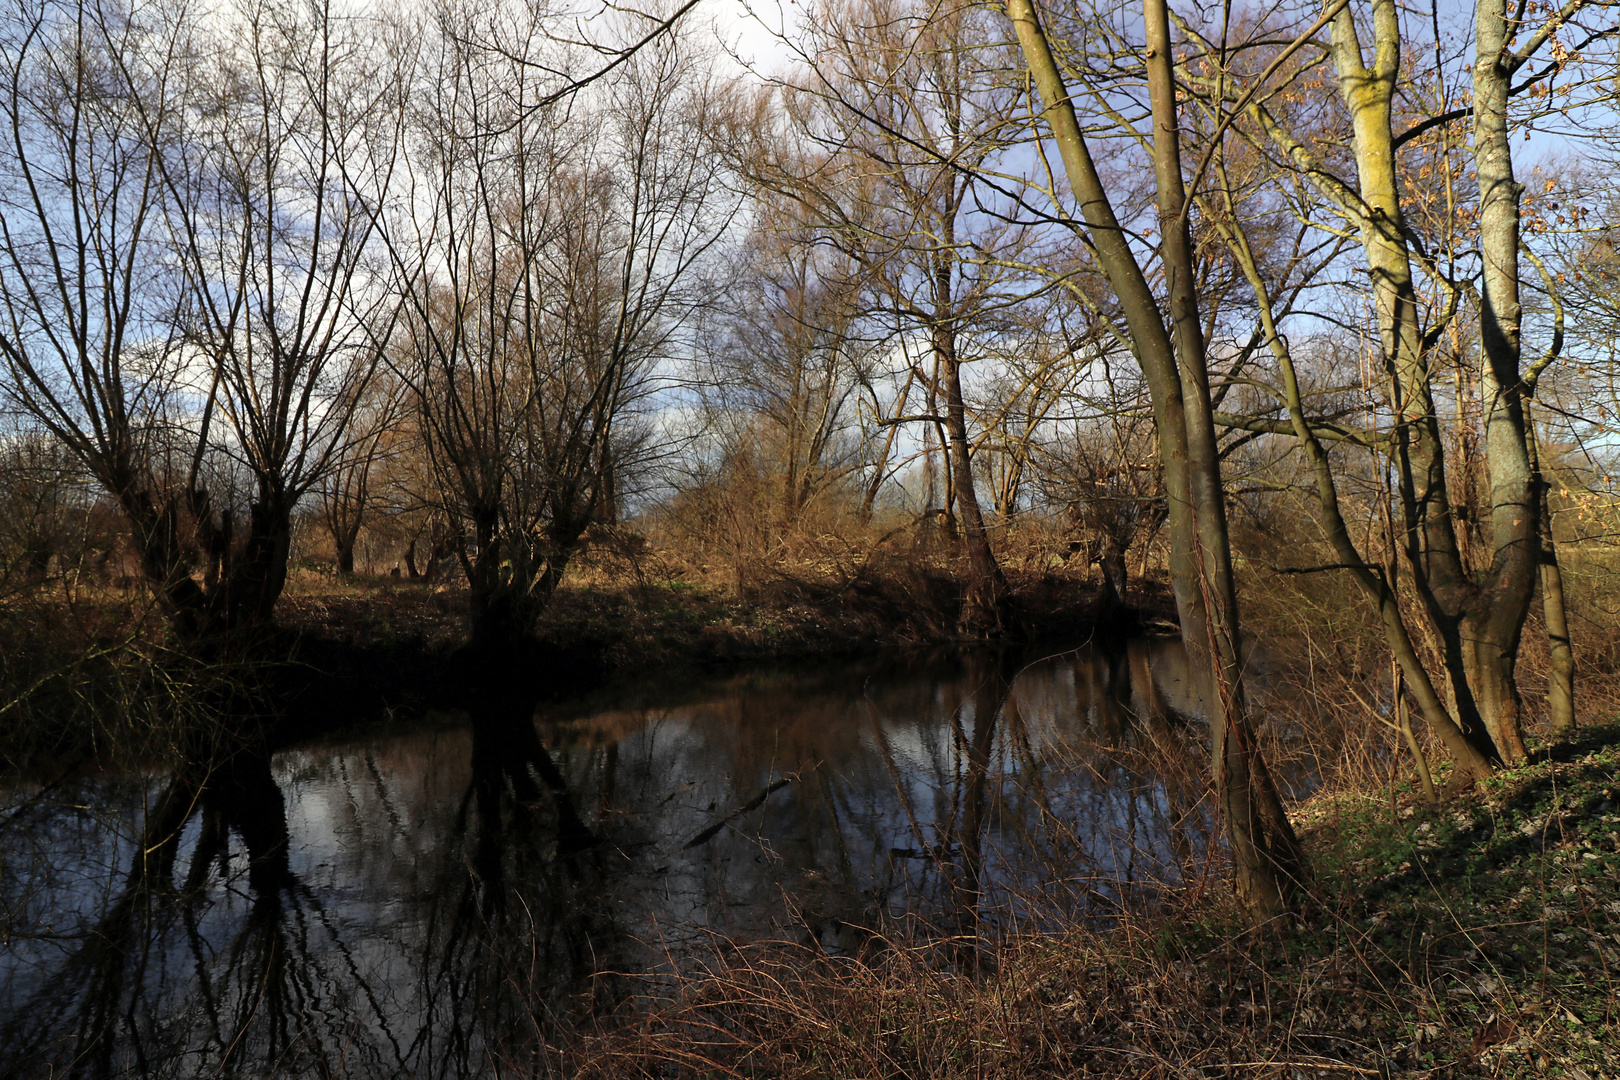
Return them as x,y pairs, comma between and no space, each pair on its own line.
210,955
456,899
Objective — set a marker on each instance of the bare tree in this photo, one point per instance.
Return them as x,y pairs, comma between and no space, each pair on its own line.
359,466
1099,463
1364,166
785,372
284,173
887,136
94,98
186,265
44,507
546,251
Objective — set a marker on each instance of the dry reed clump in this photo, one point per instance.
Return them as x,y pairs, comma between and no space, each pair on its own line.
1142,998
1055,1006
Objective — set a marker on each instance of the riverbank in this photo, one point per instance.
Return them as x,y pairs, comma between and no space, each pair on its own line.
1476,938
393,639
635,625
93,675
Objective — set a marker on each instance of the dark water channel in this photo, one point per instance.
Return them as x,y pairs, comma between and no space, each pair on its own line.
421,902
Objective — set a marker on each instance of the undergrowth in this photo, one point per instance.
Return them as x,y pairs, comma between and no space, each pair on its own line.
1478,938
98,682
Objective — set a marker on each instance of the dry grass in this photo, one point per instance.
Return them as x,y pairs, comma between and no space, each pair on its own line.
1477,941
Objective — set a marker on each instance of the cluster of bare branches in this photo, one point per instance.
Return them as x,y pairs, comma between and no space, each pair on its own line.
248,257
457,267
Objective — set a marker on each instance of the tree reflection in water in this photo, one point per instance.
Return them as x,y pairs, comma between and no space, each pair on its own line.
515,939
236,967
460,900
229,968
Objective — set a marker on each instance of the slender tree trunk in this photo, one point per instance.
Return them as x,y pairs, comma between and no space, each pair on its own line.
983,609
1274,859
880,467
942,439
1561,668
1269,863
1561,656
1403,721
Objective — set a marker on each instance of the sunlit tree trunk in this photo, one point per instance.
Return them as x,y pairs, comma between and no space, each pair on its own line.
1430,538
1497,614
1561,655
1268,861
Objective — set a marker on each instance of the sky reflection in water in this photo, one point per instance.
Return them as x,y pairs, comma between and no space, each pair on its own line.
444,900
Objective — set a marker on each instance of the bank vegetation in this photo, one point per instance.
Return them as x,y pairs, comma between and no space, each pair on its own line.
438,323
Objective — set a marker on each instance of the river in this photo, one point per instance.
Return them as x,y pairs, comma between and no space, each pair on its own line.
422,901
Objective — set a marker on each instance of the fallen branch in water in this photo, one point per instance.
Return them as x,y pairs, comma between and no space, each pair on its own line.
752,804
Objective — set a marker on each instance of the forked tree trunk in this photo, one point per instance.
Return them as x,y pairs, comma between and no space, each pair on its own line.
1498,613
1474,625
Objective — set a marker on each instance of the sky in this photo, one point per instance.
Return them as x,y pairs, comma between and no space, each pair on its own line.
752,29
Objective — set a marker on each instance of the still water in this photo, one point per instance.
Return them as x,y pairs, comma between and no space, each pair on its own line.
421,902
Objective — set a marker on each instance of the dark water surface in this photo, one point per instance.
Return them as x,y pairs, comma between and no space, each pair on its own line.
430,901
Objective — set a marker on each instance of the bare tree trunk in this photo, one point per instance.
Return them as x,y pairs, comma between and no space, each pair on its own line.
880,468
259,572
1561,656
1430,543
1475,624
983,611
1561,667
1111,566
1498,613
1267,856
345,551
1268,862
